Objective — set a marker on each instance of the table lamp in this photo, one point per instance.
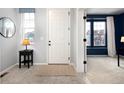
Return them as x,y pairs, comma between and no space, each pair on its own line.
122,39
26,42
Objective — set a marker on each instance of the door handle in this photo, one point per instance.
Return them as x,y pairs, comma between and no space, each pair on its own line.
49,41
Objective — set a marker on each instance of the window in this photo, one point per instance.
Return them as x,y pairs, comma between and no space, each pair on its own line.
28,26
96,33
88,33
99,33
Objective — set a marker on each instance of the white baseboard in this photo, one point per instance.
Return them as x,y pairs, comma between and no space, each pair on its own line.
49,63
40,63
7,69
37,63
97,55
74,66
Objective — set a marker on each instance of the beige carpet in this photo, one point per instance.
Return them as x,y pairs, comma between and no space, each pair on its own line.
56,70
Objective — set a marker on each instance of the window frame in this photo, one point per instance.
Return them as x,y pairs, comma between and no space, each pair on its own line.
23,27
92,33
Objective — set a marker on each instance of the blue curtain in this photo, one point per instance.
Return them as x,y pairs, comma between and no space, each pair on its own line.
26,10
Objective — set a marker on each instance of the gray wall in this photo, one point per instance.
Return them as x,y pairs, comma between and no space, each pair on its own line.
41,44
40,39
8,48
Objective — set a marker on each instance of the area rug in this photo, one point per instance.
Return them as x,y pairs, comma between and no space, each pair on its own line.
56,70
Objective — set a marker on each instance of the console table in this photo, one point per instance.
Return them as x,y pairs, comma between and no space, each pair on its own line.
120,51
27,57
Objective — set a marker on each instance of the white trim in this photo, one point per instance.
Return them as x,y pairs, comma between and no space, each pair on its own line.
40,63
7,69
53,64
37,63
85,47
58,63
76,38
97,55
87,81
73,66
69,37
47,36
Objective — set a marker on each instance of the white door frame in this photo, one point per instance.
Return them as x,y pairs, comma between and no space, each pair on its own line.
47,40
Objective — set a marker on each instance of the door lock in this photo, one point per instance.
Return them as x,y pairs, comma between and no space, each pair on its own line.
49,43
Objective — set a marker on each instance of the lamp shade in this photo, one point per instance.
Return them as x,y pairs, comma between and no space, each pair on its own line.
122,39
26,42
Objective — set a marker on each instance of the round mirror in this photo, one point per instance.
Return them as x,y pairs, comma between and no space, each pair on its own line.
7,27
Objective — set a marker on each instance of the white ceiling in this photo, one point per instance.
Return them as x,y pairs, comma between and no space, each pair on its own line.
105,10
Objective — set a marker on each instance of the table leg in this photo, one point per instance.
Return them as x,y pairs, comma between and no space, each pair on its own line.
32,59
28,61
24,59
19,60
118,61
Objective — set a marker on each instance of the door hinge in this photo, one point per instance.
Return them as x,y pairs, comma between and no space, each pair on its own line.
85,62
84,39
85,17
69,43
69,13
69,58
69,28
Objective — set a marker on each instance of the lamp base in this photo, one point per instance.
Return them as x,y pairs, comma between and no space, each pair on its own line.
26,48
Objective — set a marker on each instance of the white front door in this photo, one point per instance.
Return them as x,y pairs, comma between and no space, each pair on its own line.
59,36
